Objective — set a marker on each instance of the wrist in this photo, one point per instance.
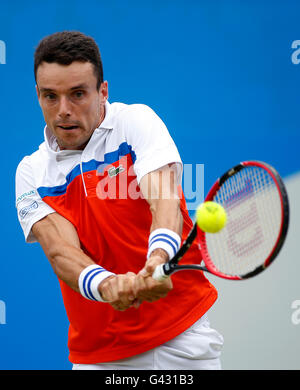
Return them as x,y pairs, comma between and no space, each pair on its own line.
164,239
101,287
89,281
160,253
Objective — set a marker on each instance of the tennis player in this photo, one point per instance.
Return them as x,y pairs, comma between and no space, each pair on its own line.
102,196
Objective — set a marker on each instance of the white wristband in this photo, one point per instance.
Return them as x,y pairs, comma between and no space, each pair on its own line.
89,280
164,239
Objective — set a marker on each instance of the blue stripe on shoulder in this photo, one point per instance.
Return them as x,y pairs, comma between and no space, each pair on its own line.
91,165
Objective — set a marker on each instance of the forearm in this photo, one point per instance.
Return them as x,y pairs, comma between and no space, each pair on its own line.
70,265
160,190
59,240
68,262
60,243
166,214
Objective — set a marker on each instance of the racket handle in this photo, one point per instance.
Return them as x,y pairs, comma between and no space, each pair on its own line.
159,273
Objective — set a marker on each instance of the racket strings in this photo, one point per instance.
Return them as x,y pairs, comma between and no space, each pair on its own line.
252,202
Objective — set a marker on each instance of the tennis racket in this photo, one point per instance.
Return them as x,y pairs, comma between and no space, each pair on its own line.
256,202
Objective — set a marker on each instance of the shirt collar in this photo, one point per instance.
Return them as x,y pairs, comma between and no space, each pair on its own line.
107,122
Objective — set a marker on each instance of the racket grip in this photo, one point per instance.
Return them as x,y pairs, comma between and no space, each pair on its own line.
159,273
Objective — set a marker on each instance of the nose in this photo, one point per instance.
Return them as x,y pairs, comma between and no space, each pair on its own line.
64,110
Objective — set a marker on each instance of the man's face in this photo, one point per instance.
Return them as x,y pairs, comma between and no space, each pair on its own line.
72,105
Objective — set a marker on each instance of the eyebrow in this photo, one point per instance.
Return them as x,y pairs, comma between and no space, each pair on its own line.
80,86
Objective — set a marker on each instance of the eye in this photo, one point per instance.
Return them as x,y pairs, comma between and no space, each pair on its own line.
78,94
50,96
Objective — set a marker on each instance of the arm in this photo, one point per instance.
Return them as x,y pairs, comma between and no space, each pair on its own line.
60,242
161,192
160,189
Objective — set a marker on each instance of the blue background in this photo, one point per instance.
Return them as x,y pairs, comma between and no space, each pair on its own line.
220,75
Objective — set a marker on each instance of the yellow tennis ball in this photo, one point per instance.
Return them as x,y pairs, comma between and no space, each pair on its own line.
211,217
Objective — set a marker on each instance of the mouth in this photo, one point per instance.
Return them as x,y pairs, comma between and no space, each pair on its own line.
68,127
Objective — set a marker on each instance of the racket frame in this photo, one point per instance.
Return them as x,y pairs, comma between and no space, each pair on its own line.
172,266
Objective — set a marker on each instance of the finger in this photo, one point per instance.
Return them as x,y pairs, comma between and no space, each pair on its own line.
141,289
106,288
125,289
150,266
144,272
118,291
107,293
140,284
155,290
130,285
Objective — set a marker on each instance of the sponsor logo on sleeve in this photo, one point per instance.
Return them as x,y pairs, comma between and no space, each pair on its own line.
24,196
25,210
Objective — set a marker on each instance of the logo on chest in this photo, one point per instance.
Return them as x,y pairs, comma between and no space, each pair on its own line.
114,171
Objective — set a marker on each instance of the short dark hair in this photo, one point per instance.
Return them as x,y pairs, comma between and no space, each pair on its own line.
66,47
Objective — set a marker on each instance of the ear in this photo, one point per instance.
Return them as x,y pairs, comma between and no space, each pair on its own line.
104,91
38,93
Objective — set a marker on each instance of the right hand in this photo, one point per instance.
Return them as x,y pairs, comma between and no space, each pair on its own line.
118,291
147,288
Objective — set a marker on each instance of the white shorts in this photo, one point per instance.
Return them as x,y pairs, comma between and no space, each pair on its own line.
198,348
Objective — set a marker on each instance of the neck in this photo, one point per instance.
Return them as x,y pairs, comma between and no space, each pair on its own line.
102,114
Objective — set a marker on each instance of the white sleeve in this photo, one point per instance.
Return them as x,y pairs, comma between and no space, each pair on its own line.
30,207
151,141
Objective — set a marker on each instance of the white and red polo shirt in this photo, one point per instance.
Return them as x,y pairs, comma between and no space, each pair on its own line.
97,189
